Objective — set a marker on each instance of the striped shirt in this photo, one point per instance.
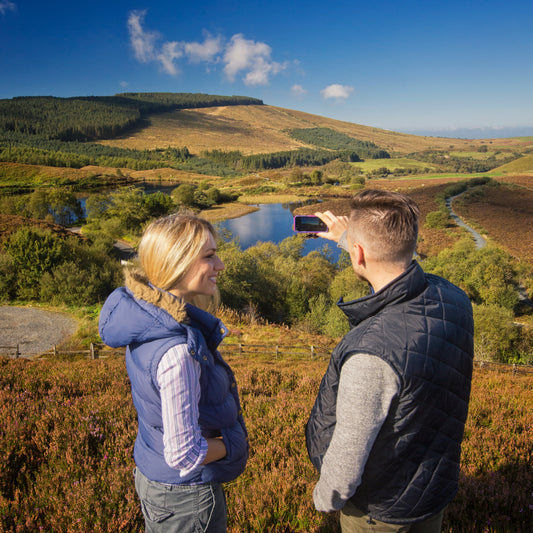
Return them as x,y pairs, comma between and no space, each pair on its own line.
178,376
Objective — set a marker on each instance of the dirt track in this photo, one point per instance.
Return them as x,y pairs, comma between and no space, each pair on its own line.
34,330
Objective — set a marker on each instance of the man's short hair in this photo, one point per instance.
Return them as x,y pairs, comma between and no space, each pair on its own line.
387,223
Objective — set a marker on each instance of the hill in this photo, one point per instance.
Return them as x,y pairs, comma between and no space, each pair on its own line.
221,136
254,129
523,164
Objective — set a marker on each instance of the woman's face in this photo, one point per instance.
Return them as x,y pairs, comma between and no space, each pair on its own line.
201,279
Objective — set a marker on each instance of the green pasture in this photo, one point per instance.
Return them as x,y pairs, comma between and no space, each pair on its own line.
479,156
371,165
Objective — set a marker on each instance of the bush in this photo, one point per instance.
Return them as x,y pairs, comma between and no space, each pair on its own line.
43,266
495,334
68,430
438,219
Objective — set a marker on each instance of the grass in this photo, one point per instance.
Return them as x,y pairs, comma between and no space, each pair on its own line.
68,428
226,211
263,129
392,164
524,164
272,199
480,156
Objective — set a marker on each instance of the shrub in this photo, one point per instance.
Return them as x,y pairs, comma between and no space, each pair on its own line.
41,265
68,430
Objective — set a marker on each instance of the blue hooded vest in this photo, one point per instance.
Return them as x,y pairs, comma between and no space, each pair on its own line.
422,326
149,322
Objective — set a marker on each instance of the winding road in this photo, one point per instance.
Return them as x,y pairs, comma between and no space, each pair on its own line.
478,239
481,243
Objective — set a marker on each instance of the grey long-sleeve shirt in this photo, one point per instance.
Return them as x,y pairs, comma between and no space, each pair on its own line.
367,386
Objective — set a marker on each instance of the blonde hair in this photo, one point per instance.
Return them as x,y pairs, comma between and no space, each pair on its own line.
169,247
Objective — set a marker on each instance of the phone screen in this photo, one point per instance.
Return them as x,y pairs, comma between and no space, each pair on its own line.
309,224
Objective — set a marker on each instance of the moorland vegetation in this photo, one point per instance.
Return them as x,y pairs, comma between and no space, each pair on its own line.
268,291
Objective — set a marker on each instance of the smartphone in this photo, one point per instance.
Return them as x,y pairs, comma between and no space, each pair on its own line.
308,224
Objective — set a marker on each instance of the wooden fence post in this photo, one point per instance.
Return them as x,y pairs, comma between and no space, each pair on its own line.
94,355
240,348
312,351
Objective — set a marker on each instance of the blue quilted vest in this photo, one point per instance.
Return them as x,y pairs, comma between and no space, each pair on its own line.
149,332
422,326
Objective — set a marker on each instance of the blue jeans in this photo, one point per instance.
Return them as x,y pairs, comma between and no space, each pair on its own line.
181,508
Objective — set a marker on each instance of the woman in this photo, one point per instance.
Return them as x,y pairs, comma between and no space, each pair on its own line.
191,435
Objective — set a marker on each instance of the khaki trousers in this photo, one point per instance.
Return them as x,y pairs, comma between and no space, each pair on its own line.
355,521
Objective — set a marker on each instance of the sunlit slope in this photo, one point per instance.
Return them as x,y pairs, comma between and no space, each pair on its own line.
523,164
262,129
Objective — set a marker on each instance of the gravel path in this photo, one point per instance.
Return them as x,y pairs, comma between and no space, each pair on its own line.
34,330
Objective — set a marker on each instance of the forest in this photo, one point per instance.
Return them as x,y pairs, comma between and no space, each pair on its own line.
97,117
334,140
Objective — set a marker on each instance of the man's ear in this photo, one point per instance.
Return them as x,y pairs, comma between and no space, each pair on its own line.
359,254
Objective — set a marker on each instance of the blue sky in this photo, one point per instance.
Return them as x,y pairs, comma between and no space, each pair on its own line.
416,66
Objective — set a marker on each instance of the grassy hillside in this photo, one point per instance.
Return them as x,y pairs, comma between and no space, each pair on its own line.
256,129
524,164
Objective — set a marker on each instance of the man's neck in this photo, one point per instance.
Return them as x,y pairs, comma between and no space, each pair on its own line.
383,275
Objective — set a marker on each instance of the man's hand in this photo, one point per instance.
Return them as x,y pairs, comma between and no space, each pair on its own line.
336,225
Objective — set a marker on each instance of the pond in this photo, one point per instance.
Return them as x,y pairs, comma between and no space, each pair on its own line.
272,222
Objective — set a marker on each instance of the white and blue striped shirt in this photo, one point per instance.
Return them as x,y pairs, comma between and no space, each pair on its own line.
178,376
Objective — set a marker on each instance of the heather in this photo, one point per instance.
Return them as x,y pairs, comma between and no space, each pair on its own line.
67,429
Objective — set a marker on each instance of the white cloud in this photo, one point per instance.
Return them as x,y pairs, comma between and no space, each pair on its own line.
6,5
251,57
298,90
241,56
206,51
336,91
143,42
170,51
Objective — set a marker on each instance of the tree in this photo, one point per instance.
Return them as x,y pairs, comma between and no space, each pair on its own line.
316,177
128,205
33,252
64,207
184,195
438,220
494,333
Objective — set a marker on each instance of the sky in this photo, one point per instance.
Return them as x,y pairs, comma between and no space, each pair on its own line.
461,68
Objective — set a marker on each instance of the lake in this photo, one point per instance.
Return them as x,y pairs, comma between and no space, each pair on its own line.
272,222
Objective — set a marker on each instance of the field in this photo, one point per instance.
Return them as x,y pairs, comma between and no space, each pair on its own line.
505,215
371,165
67,430
262,129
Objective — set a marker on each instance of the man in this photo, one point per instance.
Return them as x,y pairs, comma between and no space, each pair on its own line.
386,428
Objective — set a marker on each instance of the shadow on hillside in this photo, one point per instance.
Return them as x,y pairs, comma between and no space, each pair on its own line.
209,122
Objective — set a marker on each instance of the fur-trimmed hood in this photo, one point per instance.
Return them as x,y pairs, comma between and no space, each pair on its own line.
141,289
140,313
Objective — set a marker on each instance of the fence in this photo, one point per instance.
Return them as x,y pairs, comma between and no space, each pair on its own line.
97,351
93,352
277,350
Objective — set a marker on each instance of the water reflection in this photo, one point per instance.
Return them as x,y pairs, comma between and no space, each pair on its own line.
272,222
